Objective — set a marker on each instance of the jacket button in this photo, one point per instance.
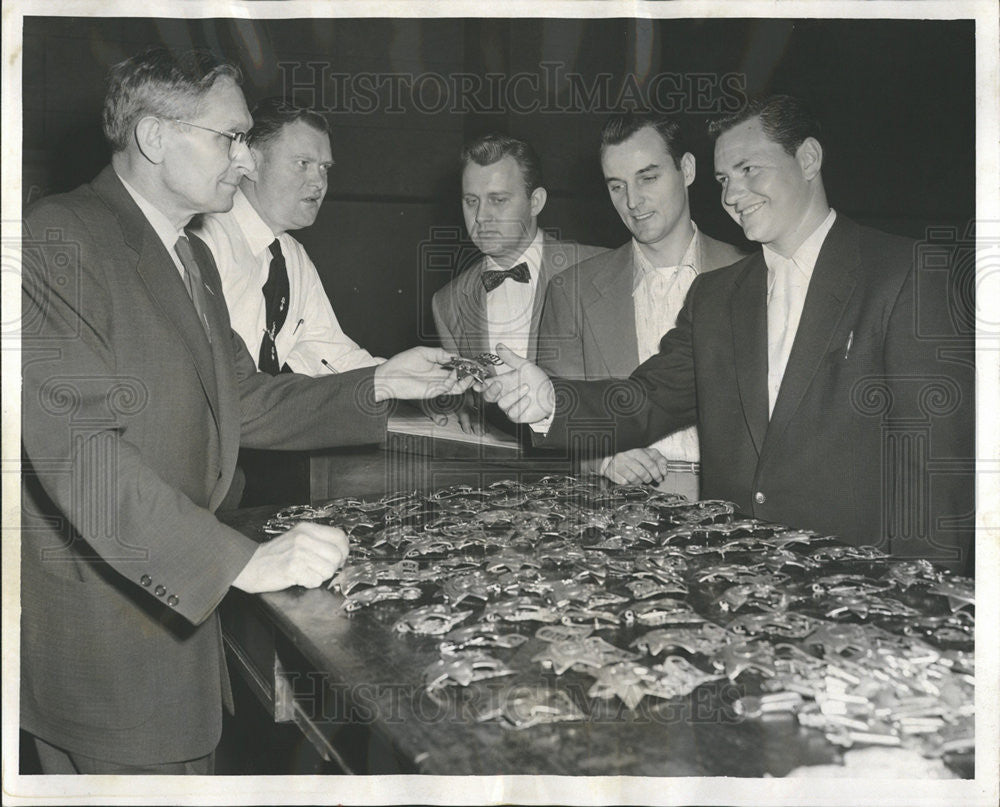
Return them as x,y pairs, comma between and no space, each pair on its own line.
172,600
159,591
145,580
759,497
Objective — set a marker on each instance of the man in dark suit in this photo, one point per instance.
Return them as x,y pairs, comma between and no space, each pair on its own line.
136,397
824,387
499,297
605,316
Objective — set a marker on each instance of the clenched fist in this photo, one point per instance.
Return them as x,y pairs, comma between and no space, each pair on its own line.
306,555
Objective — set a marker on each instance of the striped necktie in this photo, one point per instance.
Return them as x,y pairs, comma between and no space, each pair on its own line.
192,279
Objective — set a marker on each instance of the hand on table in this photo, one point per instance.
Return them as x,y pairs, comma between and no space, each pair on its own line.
524,392
417,373
306,555
637,466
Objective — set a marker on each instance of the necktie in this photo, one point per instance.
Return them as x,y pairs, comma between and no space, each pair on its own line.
276,309
783,311
192,279
494,278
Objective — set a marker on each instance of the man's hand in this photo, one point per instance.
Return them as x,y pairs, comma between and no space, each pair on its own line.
524,392
306,555
638,466
417,373
466,411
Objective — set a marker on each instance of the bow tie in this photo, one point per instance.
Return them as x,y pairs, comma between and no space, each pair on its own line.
519,273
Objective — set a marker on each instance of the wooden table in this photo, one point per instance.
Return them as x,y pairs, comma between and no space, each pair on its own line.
355,687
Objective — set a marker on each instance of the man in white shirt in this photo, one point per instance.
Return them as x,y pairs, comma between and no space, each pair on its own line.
275,297
499,298
831,389
607,315
252,248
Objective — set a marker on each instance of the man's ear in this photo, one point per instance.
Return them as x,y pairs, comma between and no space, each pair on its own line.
688,168
149,134
538,198
809,156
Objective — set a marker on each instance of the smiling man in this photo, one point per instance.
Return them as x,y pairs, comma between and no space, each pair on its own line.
830,379
607,315
275,296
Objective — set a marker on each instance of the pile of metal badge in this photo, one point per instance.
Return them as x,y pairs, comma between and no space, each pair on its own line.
647,595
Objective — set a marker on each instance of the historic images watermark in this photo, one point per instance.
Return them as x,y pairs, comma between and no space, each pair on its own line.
550,89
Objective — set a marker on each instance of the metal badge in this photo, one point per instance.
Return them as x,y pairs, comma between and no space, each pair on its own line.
592,652
431,620
369,596
706,639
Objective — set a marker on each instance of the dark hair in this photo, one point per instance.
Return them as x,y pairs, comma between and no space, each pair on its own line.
620,128
785,119
491,148
272,114
159,82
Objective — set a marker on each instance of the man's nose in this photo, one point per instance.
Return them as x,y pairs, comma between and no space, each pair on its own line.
732,193
242,158
632,196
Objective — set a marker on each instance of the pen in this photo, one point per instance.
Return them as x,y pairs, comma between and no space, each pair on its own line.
850,341
327,365
297,325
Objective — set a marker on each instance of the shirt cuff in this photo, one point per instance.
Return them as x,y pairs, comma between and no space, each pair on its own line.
542,426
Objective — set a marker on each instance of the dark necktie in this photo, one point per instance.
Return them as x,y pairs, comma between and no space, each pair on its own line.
494,278
192,279
276,309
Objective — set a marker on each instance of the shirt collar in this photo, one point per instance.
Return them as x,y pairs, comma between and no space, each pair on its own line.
532,256
162,226
808,252
256,232
642,266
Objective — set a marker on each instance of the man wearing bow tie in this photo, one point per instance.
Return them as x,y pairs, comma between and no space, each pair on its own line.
499,298
606,316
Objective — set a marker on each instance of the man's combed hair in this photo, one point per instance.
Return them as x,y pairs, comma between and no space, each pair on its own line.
162,83
785,119
620,128
271,115
492,148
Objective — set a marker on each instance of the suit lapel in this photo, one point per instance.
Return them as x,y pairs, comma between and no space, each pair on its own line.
166,289
748,314
610,313
830,288
555,259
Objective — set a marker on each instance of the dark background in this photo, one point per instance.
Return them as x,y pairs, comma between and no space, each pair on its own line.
896,99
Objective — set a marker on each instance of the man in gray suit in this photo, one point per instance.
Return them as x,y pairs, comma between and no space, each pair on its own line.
136,396
606,316
499,298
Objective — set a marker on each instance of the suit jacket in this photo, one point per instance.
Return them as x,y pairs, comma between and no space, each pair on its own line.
460,307
131,421
588,326
871,437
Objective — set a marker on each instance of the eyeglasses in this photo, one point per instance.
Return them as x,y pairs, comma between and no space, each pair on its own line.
236,139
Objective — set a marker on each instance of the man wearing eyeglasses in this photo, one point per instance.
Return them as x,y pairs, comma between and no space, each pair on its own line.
136,397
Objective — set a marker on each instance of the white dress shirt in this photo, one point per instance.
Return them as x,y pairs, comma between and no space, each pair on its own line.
658,294
239,240
510,305
162,226
787,285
